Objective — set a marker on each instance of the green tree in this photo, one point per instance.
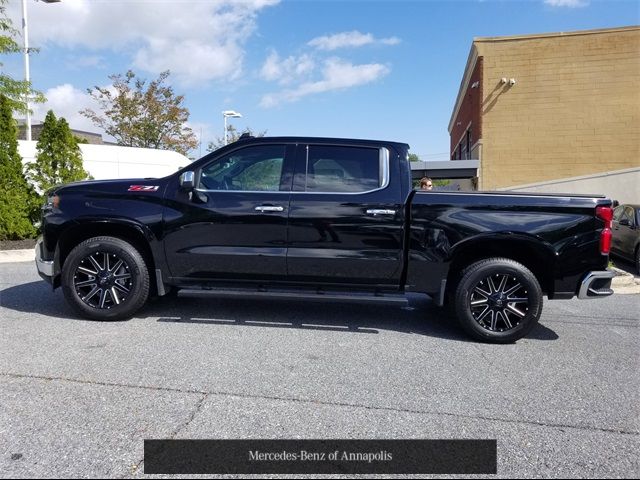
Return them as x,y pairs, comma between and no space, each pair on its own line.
16,201
58,156
137,115
16,91
414,157
232,136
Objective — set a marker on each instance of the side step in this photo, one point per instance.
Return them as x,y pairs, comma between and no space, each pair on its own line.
278,293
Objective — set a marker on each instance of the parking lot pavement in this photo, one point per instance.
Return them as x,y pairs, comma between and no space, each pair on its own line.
79,397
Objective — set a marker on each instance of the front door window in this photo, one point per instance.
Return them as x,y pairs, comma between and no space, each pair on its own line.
255,169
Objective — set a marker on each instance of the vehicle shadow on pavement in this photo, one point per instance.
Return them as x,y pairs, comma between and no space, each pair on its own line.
421,317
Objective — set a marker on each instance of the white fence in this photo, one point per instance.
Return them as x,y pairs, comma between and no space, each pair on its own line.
112,161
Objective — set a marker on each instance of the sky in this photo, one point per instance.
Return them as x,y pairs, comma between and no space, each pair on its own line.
386,70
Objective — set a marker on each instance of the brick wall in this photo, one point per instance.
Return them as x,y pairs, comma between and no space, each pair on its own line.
470,108
574,110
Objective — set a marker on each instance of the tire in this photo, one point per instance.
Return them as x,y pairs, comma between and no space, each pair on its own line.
105,278
482,300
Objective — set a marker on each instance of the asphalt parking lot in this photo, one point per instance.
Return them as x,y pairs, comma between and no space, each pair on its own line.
79,397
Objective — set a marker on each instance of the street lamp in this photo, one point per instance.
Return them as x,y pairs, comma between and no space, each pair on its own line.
228,114
25,38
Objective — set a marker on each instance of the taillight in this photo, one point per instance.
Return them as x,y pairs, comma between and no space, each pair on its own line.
606,215
605,241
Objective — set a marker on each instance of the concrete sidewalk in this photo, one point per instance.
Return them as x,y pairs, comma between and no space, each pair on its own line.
624,283
10,256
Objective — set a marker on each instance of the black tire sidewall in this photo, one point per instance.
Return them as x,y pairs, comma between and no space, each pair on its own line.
481,270
139,278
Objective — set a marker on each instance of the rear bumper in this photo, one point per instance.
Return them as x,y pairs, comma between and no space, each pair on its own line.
596,285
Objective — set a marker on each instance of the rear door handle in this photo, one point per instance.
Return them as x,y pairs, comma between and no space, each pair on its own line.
269,208
375,212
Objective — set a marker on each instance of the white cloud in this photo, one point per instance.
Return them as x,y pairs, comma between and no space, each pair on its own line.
197,41
67,101
390,41
567,3
337,75
85,61
351,39
288,70
190,61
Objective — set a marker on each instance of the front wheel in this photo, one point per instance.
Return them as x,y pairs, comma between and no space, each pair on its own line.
498,300
105,278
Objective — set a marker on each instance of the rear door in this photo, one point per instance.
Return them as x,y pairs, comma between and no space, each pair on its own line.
346,216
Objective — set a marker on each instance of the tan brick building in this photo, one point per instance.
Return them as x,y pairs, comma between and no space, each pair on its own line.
534,108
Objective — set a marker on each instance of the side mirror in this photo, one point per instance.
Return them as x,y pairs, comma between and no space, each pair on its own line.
187,180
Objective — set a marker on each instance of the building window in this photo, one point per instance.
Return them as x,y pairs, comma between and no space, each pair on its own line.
463,150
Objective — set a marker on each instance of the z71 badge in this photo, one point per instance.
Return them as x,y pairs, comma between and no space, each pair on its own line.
144,188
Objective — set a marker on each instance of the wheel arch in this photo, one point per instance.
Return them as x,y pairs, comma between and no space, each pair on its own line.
137,235
531,252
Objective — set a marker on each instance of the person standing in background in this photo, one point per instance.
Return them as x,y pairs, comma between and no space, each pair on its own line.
426,183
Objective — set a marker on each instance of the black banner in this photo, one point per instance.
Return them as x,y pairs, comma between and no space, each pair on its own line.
320,456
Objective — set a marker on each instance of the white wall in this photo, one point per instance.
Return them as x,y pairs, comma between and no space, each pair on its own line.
621,185
112,161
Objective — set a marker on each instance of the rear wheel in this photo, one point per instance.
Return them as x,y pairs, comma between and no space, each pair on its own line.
105,278
498,300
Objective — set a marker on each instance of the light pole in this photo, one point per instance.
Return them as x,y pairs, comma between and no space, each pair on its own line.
229,114
25,38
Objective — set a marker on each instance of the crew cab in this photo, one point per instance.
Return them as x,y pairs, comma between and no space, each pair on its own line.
334,219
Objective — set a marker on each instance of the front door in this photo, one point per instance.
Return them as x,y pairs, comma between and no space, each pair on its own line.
233,225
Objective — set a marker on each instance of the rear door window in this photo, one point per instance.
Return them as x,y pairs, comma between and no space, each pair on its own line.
336,169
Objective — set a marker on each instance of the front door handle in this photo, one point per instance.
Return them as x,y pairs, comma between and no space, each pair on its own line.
375,212
269,208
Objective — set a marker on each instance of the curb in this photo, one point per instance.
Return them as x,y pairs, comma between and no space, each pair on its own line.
10,256
623,283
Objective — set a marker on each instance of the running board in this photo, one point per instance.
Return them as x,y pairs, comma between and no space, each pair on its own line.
319,296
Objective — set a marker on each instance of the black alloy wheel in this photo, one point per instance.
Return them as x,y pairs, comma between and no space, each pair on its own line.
105,278
498,300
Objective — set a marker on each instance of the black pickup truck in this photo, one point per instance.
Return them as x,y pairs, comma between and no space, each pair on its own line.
322,218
